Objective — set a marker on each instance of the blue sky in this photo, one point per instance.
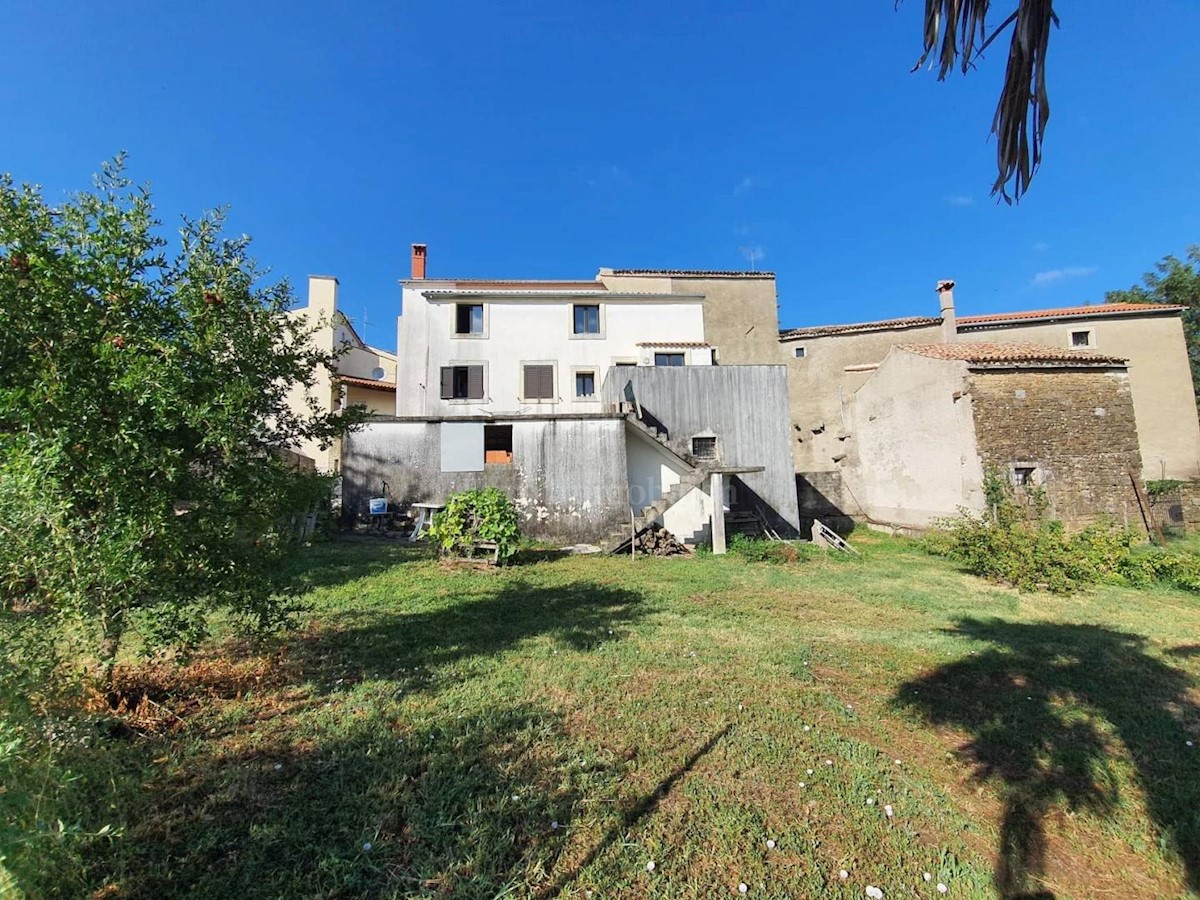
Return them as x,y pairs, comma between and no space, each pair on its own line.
545,140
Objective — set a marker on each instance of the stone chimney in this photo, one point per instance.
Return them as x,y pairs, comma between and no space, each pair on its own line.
418,260
945,291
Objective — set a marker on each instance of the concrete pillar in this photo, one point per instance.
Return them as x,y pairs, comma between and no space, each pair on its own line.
717,492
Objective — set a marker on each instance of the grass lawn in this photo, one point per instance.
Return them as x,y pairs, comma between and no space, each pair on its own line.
552,728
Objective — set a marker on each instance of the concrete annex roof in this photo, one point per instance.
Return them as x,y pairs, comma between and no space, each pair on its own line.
1020,353
688,273
551,294
508,284
1072,312
883,325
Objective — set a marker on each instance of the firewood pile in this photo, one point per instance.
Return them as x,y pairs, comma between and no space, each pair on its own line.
657,541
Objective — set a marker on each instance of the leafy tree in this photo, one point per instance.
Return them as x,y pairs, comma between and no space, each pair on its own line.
958,29
143,411
1176,282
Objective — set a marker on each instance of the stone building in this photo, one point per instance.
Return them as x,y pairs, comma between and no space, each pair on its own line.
828,364
930,418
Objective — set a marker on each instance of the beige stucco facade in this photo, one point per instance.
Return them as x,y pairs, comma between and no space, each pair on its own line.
911,450
741,315
357,362
822,382
923,430
838,360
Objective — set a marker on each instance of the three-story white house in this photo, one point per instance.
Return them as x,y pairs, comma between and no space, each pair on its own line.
470,347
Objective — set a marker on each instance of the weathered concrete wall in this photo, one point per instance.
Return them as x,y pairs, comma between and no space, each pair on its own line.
653,471
745,407
820,388
1160,379
1076,426
567,477
911,447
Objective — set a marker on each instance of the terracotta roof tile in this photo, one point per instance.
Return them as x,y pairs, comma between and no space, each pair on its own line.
883,325
367,382
1098,309
694,273
1012,352
685,344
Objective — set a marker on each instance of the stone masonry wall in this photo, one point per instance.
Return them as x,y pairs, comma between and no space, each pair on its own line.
1075,426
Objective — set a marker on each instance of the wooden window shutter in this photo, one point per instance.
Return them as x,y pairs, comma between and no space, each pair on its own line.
475,382
447,382
539,382
546,382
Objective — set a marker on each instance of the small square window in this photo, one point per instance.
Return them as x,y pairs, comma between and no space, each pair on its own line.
468,318
587,318
497,443
668,359
1024,476
585,385
1081,339
704,447
801,353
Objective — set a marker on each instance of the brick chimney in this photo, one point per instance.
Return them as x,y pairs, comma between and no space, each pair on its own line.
418,260
945,291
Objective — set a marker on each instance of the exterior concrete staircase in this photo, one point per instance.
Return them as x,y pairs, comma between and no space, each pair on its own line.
620,538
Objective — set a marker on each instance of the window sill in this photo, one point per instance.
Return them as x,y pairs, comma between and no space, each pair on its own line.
588,337
468,337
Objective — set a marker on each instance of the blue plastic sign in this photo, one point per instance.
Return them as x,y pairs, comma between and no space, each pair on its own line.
379,506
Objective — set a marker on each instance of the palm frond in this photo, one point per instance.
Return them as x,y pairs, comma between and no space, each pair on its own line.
1023,110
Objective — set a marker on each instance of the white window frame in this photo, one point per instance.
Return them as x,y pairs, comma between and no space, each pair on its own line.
594,371
598,336
455,334
800,352
521,380
467,401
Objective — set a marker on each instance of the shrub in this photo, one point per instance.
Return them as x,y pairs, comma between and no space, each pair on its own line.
758,550
1015,543
473,516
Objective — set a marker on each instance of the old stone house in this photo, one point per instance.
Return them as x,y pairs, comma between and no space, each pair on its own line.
828,364
931,418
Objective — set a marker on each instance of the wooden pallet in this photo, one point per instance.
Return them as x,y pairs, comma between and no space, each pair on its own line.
822,533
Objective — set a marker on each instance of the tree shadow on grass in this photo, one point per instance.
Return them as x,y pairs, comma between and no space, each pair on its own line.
412,648
337,562
1030,703
279,794
461,807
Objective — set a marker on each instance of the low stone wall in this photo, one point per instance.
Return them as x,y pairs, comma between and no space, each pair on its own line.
1178,507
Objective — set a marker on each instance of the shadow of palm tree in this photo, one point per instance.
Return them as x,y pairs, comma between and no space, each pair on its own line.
1030,703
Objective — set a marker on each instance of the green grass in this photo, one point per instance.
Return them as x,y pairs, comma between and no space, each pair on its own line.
548,729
